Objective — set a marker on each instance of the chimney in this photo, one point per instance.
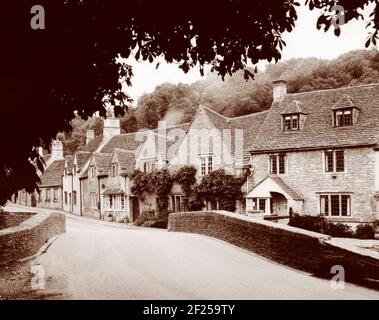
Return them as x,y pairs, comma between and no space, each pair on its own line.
89,136
57,150
279,89
111,125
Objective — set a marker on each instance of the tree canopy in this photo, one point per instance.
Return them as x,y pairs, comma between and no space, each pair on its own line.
71,64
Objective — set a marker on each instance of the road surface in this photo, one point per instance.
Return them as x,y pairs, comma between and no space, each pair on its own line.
96,260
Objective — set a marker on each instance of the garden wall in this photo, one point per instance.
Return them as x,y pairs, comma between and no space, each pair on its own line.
11,219
301,249
27,238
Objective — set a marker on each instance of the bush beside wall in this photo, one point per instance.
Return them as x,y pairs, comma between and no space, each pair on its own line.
301,249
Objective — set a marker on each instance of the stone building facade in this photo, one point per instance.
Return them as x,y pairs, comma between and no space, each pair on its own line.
317,153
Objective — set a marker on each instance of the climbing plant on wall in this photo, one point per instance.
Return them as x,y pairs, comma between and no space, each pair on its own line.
186,177
220,187
157,182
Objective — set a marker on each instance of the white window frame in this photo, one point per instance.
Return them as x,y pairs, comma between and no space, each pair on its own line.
329,197
206,164
277,157
334,154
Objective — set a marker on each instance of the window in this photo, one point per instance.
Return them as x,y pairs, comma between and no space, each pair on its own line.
114,170
343,117
110,206
122,202
206,165
48,195
334,161
277,164
262,205
55,195
65,197
94,200
176,201
335,205
92,172
74,197
149,166
203,166
291,122
210,164
259,204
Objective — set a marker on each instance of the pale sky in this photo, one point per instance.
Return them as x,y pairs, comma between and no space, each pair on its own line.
304,41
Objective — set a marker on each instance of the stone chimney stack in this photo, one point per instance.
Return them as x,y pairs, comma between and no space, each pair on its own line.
111,125
89,136
57,150
279,89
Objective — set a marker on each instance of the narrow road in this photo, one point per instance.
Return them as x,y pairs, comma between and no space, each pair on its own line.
94,260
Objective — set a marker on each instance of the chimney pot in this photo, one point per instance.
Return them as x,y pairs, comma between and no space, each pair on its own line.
279,89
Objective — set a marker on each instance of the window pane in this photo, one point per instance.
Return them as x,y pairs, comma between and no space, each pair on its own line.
281,164
345,205
295,122
340,161
202,166
338,118
347,118
210,164
324,205
262,204
335,205
329,161
287,123
273,165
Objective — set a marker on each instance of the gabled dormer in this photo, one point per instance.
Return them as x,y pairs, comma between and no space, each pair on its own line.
345,112
293,116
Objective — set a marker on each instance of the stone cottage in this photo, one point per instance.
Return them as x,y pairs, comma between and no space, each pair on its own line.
317,153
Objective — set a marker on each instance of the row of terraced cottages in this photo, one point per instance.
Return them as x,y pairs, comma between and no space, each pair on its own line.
312,153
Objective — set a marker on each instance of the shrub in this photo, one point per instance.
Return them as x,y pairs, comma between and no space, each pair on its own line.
308,222
365,231
339,230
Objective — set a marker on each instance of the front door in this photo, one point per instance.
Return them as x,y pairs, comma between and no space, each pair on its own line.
279,204
135,207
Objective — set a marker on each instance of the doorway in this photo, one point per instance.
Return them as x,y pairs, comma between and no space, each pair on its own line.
279,204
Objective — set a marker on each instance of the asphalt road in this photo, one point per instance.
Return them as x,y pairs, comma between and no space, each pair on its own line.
96,260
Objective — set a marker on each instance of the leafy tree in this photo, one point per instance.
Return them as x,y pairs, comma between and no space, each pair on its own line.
129,122
72,65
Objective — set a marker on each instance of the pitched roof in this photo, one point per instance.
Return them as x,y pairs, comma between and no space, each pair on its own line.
250,124
127,161
82,157
52,176
289,190
124,141
69,162
92,145
318,131
173,135
102,161
293,107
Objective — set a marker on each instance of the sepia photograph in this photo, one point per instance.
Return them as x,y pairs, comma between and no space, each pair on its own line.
189,157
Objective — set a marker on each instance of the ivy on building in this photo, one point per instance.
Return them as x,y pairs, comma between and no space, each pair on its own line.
218,186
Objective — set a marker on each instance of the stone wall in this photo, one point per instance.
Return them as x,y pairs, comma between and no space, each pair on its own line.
301,249
306,174
11,219
27,238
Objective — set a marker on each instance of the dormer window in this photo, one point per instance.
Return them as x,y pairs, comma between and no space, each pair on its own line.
291,122
114,170
343,117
